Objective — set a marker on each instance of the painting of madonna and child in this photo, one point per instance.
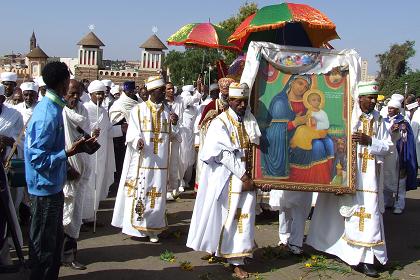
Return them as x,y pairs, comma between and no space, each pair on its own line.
304,125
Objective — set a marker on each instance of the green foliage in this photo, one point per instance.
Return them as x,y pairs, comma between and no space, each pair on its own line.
393,85
189,64
233,22
394,64
185,66
167,256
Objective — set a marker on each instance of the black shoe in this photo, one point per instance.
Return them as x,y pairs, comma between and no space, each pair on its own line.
367,269
75,265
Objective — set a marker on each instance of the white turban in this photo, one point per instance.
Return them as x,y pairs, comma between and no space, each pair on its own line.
214,87
40,81
398,97
188,88
1,90
154,82
29,86
115,89
237,90
394,103
96,86
8,77
107,83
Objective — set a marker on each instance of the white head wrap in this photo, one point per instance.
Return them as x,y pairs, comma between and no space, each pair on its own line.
40,81
107,83
29,86
154,82
188,88
8,77
394,103
237,90
96,86
214,87
397,97
115,89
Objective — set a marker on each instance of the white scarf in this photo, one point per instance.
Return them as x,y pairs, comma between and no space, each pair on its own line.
121,108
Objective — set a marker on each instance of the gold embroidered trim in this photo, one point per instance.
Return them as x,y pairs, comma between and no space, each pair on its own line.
362,215
153,194
363,244
240,128
366,191
156,125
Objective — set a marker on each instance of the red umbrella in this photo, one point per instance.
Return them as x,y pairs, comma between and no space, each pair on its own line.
286,24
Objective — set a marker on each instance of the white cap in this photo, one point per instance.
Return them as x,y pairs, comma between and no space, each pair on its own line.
107,83
8,77
412,106
29,86
188,88
398,97
154,82
237,90
40,81
96,86
368,88
214,87
1,89
394,103
115,89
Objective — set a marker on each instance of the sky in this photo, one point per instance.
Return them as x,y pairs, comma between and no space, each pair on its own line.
369,26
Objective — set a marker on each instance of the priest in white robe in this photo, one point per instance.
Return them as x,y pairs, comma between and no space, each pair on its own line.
351,226
224,213
119,114
176,105
190,98
8,80
11,125
75,119
141,201
104,157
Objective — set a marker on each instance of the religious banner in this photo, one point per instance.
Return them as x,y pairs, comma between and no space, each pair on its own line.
302,101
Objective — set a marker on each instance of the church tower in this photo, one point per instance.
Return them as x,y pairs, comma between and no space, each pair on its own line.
32,42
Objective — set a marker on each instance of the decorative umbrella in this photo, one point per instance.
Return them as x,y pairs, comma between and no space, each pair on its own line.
286,24
202,35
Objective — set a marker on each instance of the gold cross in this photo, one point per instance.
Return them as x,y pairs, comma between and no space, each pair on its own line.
153,194
145,121
165,126
365,156
232,138
156,141
130,185
362,216
239,216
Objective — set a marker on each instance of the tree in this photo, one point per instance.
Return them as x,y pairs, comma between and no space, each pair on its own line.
189,64
185,66
394,64
233,22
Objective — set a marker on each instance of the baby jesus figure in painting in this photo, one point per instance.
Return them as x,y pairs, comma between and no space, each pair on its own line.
317,123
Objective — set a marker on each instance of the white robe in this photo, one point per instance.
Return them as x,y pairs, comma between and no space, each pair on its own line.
11,125
215,227
294,207
187,130
415,125
104,157
121,108
74,190
351,226
177,107
141,200
25,111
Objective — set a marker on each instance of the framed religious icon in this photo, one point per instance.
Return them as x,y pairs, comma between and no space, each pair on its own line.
301,100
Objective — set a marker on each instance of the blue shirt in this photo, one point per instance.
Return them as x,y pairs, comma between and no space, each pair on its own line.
45,156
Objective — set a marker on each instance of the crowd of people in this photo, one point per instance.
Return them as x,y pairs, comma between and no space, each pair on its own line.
77,138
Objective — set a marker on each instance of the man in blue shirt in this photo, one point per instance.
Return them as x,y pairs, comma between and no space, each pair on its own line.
46,172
